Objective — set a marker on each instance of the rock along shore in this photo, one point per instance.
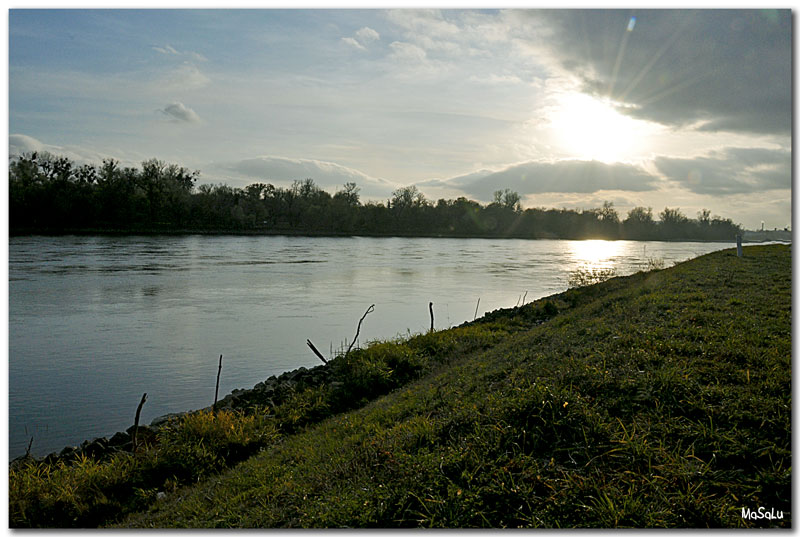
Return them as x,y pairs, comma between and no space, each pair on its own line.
271,392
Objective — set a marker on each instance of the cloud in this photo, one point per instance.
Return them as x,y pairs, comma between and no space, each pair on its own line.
169,50
328,175
423,23
731,171
362,38
166,50
725,70
536,177
180,112
186,76
353,43
493,79
367,34
407,52
19,144
442,33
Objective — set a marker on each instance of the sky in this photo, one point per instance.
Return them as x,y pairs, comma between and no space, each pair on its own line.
688,109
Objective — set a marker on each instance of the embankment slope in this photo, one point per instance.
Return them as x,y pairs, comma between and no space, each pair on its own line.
661,399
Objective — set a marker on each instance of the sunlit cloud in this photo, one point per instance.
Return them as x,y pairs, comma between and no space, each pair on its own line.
729,69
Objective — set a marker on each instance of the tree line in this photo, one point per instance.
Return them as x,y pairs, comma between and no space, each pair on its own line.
52,194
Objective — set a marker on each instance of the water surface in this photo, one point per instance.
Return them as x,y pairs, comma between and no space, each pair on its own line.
96,321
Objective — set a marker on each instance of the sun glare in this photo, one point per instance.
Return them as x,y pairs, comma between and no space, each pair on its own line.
594,253
591,129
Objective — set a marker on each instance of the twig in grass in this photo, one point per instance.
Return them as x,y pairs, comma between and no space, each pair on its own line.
216,390
476,309
136,420
28,451
358,329
319,354
523,297
430,307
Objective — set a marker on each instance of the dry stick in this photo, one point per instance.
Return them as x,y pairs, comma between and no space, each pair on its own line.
358,330
430,307
136,420
28,451
476,309
216,390
319,354
523,297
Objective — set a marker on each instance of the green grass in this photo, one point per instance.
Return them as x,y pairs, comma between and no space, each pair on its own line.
661,399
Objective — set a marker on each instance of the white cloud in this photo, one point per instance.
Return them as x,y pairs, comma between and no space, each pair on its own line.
407,52
362,38
366,34
180,112
186,76
169,50
283,170
166,50
424,22
493,79
20,144
353,43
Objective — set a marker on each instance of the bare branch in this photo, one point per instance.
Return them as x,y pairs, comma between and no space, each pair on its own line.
319,354
136,420
216,390
358,330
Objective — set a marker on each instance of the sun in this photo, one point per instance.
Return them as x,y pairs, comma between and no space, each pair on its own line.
588,128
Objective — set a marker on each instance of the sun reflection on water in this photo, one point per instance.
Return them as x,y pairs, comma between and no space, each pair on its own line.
595,254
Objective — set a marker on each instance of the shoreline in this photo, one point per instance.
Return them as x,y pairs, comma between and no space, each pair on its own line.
25,232
273,391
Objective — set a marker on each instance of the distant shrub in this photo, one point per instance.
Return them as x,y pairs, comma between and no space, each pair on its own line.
584,276
655,263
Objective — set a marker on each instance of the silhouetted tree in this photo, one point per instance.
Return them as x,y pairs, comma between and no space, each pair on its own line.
52,193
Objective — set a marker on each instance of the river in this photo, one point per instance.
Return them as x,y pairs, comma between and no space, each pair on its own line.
95,321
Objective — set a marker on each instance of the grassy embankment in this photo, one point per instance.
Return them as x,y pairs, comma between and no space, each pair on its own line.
661,399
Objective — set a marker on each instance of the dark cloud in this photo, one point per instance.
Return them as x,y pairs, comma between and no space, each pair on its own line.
180,112
728,68
732,171
579,176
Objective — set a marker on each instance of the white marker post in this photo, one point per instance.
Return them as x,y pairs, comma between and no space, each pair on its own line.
739,245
